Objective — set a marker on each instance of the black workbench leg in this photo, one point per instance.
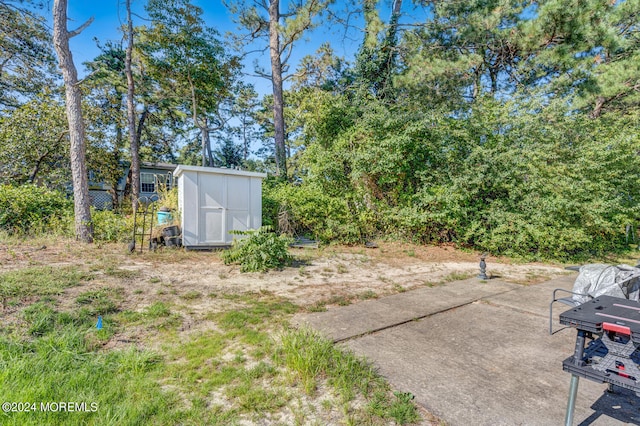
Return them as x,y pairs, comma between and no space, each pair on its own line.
573,387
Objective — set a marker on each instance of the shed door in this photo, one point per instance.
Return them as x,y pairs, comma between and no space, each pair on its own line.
238,204
211,217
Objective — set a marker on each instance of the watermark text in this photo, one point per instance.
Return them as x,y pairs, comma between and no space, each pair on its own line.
50,407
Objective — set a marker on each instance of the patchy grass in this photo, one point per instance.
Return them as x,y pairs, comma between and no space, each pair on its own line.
191,295
456,276
366,295
453,276
61,350
101,301
121,273
312,357
19,285
319,306
230,358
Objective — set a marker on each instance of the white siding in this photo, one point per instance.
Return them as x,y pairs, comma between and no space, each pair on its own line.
216,201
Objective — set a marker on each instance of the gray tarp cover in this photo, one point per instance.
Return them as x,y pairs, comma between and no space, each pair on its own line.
597,280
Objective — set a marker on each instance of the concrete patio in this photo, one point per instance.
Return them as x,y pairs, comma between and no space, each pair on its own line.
476,353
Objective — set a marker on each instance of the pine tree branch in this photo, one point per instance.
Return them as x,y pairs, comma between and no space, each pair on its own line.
81,28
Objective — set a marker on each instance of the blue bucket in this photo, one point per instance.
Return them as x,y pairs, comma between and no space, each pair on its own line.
164,217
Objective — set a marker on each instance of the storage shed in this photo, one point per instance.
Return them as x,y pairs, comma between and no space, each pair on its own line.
215,201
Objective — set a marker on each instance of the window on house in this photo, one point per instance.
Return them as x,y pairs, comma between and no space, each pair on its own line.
147,182
165,181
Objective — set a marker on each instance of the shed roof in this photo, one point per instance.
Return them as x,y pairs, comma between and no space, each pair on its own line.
158,165
216,171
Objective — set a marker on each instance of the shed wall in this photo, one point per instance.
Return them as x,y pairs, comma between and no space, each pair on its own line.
213,203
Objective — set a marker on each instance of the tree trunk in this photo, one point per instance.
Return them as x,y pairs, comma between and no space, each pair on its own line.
73,100
597,109
276,78
134,141
113,180
245,142
205,137
203,143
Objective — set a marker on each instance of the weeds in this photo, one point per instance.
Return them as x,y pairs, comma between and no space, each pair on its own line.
191,295
311,358
121,273
99,301
397,287
157,310
369,294
318,307
260,251
456,276
233,373
38,281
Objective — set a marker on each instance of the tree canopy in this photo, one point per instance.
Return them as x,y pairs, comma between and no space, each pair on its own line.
501,125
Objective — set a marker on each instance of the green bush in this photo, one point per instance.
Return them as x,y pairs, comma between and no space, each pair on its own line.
111,226
260,251
312,212
524,178
29,209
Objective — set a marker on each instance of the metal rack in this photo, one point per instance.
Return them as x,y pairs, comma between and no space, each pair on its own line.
146,211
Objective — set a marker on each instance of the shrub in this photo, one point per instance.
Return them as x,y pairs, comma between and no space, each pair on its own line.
111,226
312,212
32,209
260,251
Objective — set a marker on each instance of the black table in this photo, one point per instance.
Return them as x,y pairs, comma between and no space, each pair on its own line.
612,355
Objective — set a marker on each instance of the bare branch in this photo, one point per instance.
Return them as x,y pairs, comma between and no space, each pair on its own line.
262,75
288,55
87,77
81,28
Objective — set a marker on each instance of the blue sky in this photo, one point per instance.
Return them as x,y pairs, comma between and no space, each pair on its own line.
110,14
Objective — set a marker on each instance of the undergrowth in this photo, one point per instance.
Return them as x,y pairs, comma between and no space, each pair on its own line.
260,250
313,358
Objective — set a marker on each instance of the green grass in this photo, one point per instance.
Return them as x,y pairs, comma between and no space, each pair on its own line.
369,294
53,352
153,316
16,286
157,310
101,301
191,295
116,272
54,356
202,365
456,276
319,306
312,358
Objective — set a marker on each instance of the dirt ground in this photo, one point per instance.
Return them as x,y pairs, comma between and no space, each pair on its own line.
325,276
196,284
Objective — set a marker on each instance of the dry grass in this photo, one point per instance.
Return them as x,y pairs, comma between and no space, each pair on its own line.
175,303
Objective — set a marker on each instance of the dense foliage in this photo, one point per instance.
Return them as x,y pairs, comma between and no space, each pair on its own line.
501,179
259,250
30,208
33,210
505,126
